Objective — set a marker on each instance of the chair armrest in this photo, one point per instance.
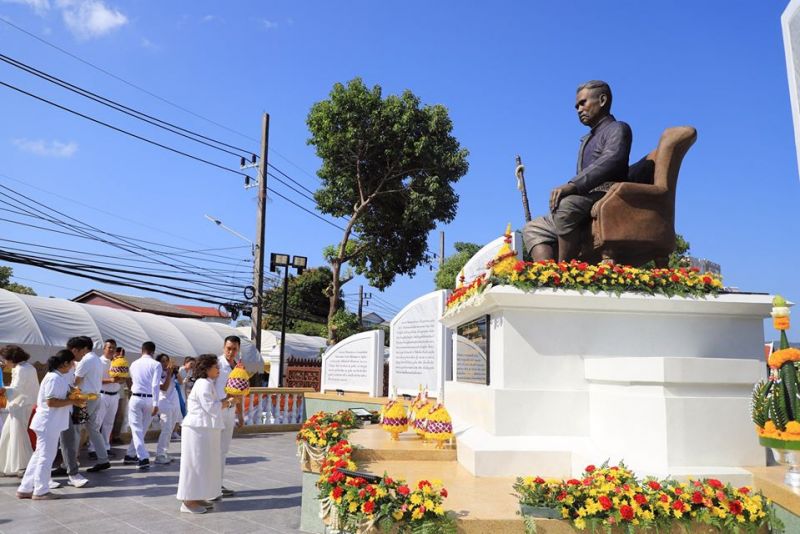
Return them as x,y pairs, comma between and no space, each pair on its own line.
633,212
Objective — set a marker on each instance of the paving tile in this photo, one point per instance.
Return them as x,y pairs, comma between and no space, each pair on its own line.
262,469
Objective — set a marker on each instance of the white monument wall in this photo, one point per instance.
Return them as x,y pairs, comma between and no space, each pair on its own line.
355,364
420,346
477,263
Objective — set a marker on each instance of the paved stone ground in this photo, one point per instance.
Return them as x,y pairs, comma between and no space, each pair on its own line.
262,469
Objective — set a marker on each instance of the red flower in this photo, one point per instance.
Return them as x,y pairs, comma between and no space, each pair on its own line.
639,498
582,267
422,509
590,468
562,267
664,497
697,497
678,491
362,493
655,486
388,481
735,507
423,483
539,480
369,507
678,505
335,477
587,481
443,493
694,269
403,490
707,280
561,496
744,490
605,502
626,512
714,483
573,482
519,266
675,278
337,492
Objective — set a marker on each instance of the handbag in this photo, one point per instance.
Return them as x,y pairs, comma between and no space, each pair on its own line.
79,415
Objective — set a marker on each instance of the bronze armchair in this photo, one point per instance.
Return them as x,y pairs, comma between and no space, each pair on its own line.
635,221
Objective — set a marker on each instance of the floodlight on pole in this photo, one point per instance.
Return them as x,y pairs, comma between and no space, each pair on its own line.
299,263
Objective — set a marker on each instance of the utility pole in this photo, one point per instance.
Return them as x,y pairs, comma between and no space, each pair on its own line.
441,248
360,305
261,230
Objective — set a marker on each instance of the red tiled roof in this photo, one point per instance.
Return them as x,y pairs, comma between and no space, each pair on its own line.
205,311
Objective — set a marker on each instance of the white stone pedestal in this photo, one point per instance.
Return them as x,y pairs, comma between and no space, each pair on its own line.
663,383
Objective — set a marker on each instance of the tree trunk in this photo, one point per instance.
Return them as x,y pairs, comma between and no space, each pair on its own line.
336,267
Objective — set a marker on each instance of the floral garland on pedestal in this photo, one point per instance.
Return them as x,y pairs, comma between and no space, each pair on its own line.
506,269
352,504
612,496
318,433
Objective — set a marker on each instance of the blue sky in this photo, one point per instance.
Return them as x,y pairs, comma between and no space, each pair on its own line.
507,72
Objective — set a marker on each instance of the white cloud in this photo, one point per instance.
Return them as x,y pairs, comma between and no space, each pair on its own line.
90,18
268,24
41,147
209,18
39,6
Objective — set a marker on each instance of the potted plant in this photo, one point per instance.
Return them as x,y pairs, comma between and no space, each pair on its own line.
538,497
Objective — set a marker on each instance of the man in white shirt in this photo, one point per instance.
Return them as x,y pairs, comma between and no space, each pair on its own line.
146,377
89,377
107,404
70,438
226,362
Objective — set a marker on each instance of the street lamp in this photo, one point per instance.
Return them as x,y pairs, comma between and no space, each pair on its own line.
299,263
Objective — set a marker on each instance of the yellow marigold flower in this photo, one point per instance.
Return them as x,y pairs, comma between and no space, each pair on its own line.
580,523
416,514
353,507
428,504
564,512
438,510
416,498
678,513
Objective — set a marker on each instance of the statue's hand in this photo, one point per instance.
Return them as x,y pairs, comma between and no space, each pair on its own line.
561,192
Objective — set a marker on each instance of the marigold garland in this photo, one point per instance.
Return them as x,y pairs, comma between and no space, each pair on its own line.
353,504
609,496
582,276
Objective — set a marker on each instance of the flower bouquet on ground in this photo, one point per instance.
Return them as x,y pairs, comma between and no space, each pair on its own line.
612,496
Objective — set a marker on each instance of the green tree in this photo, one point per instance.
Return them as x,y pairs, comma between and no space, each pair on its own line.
307,303
446,275
5,282
343,324
388,168
680,257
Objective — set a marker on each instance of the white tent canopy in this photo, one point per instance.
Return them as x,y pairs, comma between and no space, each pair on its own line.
42,326
297,345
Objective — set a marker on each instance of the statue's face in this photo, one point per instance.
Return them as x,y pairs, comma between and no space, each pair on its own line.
591,106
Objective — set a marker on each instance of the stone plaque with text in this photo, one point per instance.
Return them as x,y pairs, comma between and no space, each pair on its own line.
355,364
472,351
419,346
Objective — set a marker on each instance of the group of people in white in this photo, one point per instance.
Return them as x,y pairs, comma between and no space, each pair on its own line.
157,388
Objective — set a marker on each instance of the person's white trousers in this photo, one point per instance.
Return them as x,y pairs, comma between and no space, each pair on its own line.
169,415
229,418
37,474
140,415
109,404
199,478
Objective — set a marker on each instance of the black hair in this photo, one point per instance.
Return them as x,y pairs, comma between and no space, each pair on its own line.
204,363
598,87
120,351
112,341
61,357
234,339
79,342
14,353
148,347
161,357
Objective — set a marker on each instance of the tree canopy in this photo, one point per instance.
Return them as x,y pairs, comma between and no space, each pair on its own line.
5,282
388,168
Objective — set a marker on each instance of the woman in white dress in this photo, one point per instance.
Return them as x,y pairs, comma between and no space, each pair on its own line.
52,417
201,472
15,444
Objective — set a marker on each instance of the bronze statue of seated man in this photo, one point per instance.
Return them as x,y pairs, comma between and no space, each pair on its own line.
602,161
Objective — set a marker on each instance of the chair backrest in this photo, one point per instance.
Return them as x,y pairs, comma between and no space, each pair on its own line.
668,156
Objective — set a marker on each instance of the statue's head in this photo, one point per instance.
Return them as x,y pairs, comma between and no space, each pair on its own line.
593,102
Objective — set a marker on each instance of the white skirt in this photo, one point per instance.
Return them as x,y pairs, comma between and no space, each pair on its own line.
201,473
15,444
